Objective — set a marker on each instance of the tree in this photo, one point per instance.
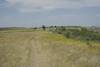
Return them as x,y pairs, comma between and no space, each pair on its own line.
43,27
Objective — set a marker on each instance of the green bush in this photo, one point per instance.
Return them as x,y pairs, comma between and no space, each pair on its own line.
82,33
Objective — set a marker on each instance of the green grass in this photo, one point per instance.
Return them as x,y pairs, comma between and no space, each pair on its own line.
30,48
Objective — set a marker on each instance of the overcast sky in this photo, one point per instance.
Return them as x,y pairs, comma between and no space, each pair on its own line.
27,13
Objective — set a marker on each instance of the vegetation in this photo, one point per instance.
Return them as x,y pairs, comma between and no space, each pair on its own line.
33,47
43,27
80,33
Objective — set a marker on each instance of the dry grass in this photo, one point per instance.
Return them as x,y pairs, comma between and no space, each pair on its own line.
45,49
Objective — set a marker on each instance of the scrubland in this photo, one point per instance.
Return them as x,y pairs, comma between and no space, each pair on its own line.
38,48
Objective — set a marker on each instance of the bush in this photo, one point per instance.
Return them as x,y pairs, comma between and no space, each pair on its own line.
67,34
82,34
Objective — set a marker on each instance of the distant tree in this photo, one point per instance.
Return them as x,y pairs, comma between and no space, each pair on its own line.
55,27
43,27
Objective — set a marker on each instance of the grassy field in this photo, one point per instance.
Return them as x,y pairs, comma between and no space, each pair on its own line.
30,48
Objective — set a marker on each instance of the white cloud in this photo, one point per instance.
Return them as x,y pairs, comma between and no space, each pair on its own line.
39,5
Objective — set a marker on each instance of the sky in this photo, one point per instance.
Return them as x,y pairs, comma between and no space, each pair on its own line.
28,13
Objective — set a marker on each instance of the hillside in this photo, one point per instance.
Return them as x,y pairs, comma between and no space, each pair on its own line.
45,49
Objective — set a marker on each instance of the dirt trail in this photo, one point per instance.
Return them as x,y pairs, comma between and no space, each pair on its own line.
37,57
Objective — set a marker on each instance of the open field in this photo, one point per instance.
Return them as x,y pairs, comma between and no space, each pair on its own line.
38,48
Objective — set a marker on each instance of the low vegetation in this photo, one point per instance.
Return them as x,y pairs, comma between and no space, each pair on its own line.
51,47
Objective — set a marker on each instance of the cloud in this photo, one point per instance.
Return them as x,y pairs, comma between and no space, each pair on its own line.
41,5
